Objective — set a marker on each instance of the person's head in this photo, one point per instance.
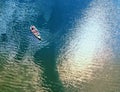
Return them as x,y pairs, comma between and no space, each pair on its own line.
32,28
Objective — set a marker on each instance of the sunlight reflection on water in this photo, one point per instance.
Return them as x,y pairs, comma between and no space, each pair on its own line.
87,50
86,55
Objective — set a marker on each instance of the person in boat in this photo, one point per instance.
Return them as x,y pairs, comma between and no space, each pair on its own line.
34,30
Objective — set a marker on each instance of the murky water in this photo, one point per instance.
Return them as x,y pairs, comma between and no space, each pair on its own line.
79,51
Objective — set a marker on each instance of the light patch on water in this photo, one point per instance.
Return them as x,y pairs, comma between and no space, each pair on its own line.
6,15
87,52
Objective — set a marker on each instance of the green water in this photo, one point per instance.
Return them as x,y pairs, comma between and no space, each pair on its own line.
79,51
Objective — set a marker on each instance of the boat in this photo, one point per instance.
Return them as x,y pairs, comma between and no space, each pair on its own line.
35,32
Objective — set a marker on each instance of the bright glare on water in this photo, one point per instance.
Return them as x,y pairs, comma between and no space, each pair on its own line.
79,50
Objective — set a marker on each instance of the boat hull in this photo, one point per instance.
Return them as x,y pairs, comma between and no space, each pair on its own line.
35,32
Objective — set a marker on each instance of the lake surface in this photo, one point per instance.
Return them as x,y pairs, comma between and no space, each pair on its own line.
79,51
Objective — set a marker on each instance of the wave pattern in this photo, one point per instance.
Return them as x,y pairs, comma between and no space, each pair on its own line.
79,51
87,57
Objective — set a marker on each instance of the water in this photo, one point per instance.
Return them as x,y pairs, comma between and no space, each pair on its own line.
79,51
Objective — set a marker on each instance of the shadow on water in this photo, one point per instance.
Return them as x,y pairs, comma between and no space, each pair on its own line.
3,37
45,57
64,13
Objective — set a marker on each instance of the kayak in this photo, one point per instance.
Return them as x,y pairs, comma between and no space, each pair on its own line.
35,31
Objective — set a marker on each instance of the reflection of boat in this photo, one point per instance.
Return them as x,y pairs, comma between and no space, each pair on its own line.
35,32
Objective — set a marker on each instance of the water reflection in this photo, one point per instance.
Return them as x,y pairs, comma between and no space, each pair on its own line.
88,57
84,61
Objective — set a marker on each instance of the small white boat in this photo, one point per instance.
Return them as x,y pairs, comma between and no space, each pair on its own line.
35,31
